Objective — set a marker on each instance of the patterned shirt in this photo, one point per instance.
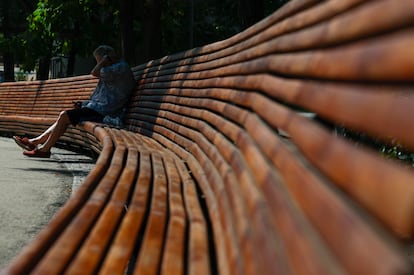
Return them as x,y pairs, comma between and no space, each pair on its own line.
113,90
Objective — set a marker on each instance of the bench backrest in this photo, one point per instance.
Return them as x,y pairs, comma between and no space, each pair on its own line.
30,107
221,108
44,98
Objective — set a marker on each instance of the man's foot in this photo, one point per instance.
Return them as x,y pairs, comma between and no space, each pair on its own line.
36,153
24,143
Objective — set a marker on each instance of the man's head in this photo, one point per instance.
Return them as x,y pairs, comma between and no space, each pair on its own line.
103,51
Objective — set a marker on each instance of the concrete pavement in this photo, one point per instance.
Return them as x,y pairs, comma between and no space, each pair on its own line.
31,191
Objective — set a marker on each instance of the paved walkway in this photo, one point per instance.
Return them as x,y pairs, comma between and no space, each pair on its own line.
31,191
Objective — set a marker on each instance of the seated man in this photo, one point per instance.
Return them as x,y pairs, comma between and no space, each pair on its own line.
106,103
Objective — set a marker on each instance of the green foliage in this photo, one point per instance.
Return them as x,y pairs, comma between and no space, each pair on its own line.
21,76
390,150
396,151
214,20
55,27
58,26
173,19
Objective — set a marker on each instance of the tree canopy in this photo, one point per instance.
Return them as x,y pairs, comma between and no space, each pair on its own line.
33,31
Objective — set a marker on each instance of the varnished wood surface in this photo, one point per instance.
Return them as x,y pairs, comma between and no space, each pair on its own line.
200,181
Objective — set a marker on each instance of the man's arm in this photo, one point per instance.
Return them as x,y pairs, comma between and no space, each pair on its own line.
96,71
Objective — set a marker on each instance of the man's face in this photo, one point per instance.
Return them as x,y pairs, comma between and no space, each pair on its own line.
98,58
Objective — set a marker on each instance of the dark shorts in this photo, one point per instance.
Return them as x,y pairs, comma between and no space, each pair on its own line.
83,114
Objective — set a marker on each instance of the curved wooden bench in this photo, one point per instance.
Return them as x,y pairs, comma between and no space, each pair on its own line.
28,108
201,182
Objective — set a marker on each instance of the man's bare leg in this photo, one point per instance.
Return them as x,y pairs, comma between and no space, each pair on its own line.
51,136
44,136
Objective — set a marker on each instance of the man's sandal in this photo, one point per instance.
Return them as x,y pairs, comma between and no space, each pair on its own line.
24,143
36,153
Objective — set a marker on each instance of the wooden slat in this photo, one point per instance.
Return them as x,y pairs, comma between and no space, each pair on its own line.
64,249
232,181
198,261
220,240
308,38
342,217
318,63
149,257
240,171
261,108
367,190
94,247
124,243
31,254
231,242
174,250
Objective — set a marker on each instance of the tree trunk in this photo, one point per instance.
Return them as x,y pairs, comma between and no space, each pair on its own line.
71,61
152,29
8,61
126,9
250,12
43,71
73,49
8,58
191,23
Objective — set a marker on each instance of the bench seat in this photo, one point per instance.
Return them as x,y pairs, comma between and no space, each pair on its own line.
111,206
